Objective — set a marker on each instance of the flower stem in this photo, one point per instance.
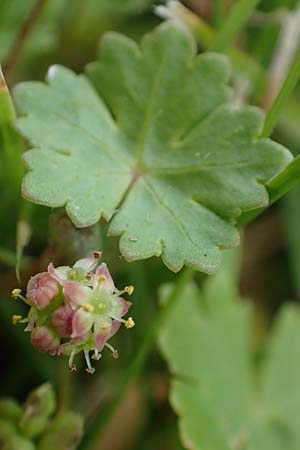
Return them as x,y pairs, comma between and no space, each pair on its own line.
94,432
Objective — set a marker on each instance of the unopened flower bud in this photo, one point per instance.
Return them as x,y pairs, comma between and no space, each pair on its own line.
62,320
44,339
41,290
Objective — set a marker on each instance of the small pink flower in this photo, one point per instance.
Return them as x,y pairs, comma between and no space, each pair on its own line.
86,313
44,339
96,306
81,271
41,290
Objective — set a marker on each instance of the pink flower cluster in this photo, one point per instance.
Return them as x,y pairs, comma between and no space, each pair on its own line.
75,309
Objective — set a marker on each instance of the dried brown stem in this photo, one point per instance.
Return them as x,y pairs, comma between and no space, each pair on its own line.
3,86
22,37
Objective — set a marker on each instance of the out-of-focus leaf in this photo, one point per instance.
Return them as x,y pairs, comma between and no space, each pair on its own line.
10,410
10,438
65,432
214,392
39,406
158,148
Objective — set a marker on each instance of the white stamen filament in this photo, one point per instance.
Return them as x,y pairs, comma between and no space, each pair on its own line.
112,349
72,366
89,368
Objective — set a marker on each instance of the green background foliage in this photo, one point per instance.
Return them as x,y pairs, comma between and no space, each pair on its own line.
147,129
223,398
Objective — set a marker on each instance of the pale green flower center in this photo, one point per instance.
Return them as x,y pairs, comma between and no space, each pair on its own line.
101,304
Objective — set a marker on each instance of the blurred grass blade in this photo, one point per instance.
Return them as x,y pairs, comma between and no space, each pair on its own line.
284,93
237,18
219,11
291,225
7,257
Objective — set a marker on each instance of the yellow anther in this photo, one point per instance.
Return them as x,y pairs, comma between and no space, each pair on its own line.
105,325
15,293
72,274
16,319
129,289
88,307
102,279
129,323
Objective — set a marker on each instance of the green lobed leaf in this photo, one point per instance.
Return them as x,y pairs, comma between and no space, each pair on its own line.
222,402
153,145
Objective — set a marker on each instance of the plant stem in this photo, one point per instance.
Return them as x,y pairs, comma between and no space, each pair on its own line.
277,187
284,181
290,176
237,18
285,91
94,432
22,37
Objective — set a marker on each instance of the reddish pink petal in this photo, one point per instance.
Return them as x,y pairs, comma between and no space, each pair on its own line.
78,340
41,290
119,307
124,306
54,273
100,340
103,279
62,320
89,263
82,322
44,339
76,293
103,334
114,328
